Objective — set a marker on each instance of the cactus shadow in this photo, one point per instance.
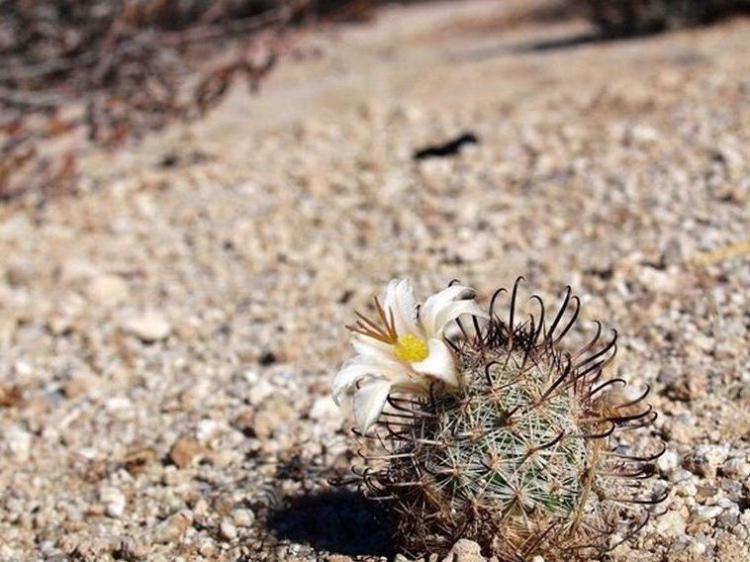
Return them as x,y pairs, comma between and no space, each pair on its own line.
338,521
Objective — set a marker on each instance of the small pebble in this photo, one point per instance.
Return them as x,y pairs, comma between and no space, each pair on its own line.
184,451
228,530
243,517
18,441
172,528
150,327
465,551
706,513
114,502
134,549
108,290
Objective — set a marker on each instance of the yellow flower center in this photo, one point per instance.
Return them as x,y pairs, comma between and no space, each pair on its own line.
410,349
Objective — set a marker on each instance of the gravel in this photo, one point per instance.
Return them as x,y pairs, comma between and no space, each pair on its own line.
167,336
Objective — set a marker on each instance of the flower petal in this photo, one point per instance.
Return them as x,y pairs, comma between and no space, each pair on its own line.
360,367
369,401
399,300
460,308
447,305
439,363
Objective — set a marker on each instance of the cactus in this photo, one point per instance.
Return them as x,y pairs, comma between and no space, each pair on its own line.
526,456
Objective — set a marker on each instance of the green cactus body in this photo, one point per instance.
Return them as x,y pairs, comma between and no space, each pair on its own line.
522,458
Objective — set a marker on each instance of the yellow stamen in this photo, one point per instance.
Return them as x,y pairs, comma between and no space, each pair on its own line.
384,331
410,349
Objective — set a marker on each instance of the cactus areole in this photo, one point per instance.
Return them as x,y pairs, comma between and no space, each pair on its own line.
534,451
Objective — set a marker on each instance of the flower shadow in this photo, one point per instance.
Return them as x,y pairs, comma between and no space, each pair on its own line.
339,521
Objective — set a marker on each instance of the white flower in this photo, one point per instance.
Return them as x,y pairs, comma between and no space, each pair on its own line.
403,350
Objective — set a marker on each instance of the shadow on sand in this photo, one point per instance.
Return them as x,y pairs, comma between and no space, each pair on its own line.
544,45
337,521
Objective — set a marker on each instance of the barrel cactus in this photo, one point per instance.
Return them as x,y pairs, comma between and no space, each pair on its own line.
511,439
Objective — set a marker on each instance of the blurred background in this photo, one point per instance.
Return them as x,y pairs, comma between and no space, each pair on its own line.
131,67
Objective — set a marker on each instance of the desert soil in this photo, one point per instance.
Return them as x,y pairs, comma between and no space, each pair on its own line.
168,335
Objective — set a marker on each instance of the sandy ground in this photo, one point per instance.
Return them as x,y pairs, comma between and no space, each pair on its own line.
167,337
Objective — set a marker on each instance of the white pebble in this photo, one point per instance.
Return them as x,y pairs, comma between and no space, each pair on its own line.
108,290
149,327
228,530
19,442
114,502
669,461
671,524
708,512
243,517
207,429
260,391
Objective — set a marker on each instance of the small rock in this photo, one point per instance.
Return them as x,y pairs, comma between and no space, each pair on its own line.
208,429
730,157
707,512
671,524
265,423
23,368
184,451
706,460
225,457
10,395
19,274
697,549
465,551
133,549
644,134
77,269
207,549
116,404
172,529
260,391
680,431
74,388
18,442
228,530
243,421
327,414
324,408
108,290
685,487
243,380
60,324
658,281
273,416
152,326
733,488
729,519
223,503
137,461
736,468
668,462
114,502
703,493
342,558
193,397
243,517
201,511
